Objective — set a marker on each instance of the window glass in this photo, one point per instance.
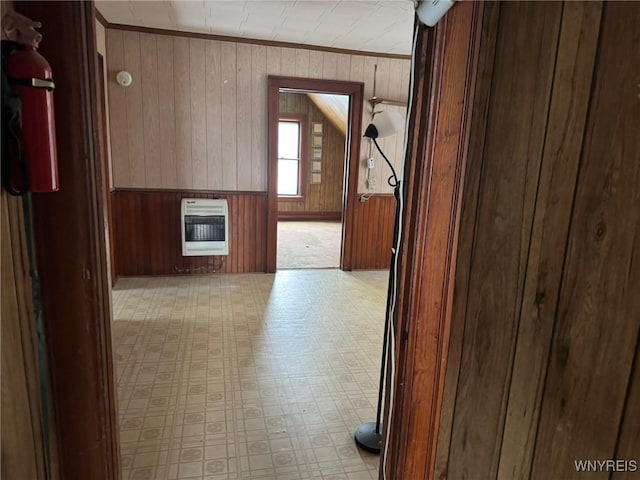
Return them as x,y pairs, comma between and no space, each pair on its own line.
288,140
288,158
288,177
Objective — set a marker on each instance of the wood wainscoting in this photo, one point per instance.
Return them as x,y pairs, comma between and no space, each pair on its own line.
147,241
373,233
147,238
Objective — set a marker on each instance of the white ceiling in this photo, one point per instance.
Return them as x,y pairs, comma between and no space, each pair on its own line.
371,26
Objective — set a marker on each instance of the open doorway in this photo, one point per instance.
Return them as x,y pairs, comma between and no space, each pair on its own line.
314,145
312,132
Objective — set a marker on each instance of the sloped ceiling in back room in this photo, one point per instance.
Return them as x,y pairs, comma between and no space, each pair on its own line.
334,107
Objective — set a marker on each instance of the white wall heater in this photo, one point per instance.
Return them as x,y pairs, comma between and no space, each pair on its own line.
205,227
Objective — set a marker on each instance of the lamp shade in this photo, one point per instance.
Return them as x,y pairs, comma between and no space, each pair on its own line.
384,124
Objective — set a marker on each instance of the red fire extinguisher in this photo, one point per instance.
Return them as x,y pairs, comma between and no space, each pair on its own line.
32,80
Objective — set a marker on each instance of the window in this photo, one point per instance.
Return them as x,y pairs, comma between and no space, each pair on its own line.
290,158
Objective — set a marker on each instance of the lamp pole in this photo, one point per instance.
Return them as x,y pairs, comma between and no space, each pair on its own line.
368,436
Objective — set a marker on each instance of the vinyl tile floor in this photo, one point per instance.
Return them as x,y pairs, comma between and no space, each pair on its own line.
248,376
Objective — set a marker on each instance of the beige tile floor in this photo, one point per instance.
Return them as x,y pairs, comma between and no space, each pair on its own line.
248,376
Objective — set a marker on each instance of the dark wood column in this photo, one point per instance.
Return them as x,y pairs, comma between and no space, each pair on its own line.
71,253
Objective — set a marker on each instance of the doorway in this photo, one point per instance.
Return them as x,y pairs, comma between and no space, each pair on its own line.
85,411
312,131
305,170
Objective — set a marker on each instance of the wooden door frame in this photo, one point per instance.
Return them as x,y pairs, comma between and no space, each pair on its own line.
101,64
443,92
71,252
355,90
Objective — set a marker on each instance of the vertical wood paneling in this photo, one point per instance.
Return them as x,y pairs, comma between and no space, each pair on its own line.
367,150
597,327
117,110
396,80
343,66
523,73
166,113
550,344
329,65
565,132
315,64
213,112
383,78
182,78
22,449
229,116
274,60
198,113
259,108
288,62
135,123
150,110
387,144
302,62
146,247
210,118
629,436
356,69
479,118
373,233
244,133
357,74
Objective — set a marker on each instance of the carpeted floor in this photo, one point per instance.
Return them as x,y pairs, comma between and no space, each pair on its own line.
309,244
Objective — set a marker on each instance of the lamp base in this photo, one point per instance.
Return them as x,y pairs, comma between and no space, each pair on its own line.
367,438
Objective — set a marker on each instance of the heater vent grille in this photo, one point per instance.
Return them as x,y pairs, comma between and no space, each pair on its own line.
204,224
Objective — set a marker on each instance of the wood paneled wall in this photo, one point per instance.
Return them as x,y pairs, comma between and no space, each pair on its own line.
147,236
373,232
542,367
195,116
21,437
325,197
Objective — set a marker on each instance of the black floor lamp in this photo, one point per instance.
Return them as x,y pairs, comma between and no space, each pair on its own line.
368,435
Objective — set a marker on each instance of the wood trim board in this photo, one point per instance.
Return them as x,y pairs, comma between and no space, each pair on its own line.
252,41
309,216
446,64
